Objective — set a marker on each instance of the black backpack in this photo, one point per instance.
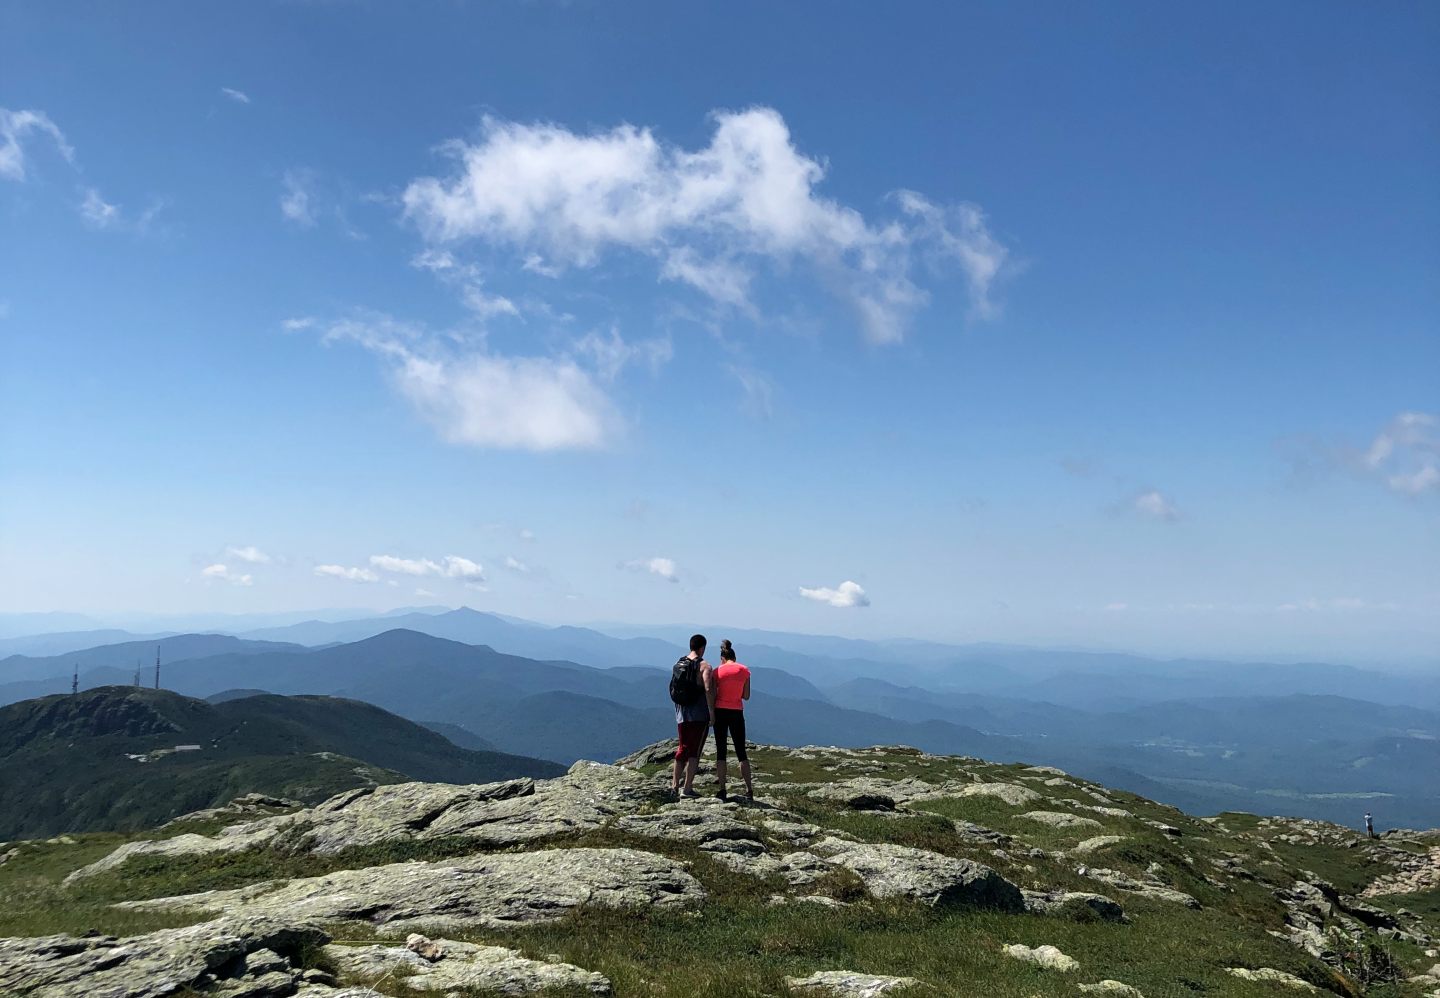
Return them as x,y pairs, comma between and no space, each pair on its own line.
685,686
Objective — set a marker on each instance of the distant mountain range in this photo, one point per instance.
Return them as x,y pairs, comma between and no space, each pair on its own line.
1205,736
120,758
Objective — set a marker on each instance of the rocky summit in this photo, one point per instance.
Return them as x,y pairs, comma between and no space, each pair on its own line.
853,872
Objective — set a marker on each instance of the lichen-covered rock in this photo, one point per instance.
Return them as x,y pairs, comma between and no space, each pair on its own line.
1045,956
696,825
1061,819
1073,904
206,957
1010,793
847,984
487,891
1125,882
464,965
1098,842
1112,988
891,871
1273,976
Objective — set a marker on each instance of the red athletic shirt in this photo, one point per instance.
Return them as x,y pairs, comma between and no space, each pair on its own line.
730,685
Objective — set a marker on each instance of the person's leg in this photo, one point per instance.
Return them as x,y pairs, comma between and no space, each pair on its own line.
737,732
678,761
722,724
691,768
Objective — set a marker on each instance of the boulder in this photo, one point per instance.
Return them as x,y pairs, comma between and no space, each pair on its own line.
891,871
1272,976
847,984
236,955
464,966
482,891
1045,956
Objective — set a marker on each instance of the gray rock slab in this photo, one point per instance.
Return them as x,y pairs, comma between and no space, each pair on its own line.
485,891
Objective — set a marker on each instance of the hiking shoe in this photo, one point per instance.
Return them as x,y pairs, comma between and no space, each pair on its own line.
689,794
721,795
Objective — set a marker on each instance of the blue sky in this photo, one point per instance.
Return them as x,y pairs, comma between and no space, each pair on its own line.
1111,327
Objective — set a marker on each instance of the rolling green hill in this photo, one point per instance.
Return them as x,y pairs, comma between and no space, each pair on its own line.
120,758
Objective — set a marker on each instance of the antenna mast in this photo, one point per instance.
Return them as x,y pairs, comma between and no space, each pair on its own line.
157,667
137,673
75,682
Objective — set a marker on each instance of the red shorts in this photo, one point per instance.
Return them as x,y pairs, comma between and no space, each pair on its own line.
692,738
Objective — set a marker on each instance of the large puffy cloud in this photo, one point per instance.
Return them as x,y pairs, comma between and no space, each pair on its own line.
483,399
15,127
844,596
712,218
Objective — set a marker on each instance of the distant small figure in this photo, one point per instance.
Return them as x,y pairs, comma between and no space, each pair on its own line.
692,687
732,689
1369,825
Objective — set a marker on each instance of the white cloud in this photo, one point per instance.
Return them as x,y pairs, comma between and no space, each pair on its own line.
1155,505
222,573
296,198
847,594
527,535
449,567
609,355
97,211
1117,606
663,567
350,574
250,553
14,127
467,279
424,592
486,400
516,565
238,96
712,218
1406,454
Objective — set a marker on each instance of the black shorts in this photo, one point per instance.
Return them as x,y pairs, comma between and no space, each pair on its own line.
732,721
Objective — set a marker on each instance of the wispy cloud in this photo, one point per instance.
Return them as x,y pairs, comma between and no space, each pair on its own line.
223,573
712,218
238,96
662,567
346,573
844,596
450,567
517,566
1405,455
97,211
15,129
249,553
296,198
1155,505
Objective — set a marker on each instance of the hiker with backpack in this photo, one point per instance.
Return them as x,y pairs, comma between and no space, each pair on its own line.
692,689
